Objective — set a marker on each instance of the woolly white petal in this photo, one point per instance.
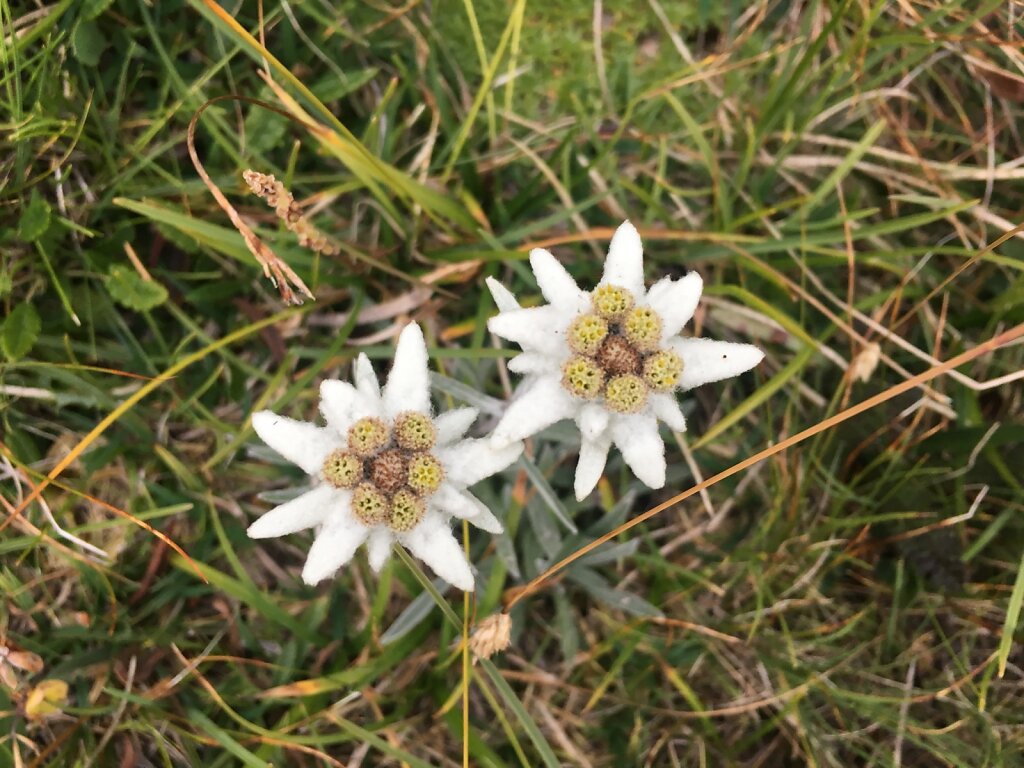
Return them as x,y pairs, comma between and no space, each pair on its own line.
624,266
536,328
593,456
503,298
378,547
675,301
593,421
533,362
638,439
432,542
333,547
470,461
666,408
707,360
341,404
540,406
303,444
302,512
452,425
365,378
450,501
555,283
408,387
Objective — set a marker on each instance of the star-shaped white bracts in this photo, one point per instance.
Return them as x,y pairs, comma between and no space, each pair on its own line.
611,359
384,469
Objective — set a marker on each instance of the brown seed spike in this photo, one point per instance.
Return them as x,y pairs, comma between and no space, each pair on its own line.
617,356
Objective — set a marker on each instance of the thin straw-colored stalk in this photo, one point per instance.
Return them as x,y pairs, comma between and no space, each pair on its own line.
982,349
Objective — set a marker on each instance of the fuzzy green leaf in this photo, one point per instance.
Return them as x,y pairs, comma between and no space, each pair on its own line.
88,43
93,8
35,218
20,331
129,289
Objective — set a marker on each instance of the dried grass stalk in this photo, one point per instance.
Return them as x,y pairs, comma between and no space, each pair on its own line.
279,272
276,195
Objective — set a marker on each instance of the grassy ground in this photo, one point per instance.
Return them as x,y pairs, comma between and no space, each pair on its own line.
834,170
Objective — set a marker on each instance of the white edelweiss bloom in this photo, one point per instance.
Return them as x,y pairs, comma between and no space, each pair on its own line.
384,469
611,359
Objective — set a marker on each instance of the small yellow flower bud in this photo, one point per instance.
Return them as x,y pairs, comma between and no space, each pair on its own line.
626,393
425,474
582,377
662,370
370,505
642,327
343,469
367,436
415,431
586,334
407,509
611,301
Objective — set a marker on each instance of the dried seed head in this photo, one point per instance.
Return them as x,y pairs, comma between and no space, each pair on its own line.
582,377
626,393
388,471
425,473
586,334
491,636
662,370
642,327
617,356
611,301
367,436
407,509
415,431
370,505
343,469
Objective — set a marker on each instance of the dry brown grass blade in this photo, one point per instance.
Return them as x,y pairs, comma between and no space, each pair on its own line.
984,348
281,275
36,490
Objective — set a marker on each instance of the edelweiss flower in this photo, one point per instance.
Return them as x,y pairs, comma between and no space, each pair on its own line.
384,470
611,359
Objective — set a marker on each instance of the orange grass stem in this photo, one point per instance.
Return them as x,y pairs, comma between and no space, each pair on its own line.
984,348
128,404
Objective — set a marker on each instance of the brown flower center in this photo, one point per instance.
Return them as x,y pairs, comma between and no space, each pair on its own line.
617,353
389,471
617,356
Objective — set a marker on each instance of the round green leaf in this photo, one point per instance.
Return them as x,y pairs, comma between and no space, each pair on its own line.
35,218
130,290
20,331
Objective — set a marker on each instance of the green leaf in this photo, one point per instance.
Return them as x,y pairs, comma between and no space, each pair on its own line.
20,331
35,219
130,290
92,8
1012,619
88,43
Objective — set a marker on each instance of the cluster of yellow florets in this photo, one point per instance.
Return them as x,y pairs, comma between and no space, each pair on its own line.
391,472
616,352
